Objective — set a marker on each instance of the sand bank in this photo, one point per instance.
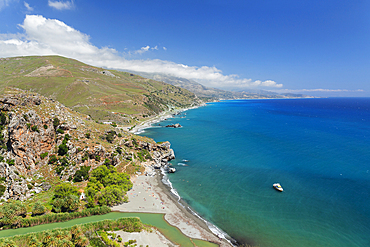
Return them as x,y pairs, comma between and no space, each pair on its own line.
150,195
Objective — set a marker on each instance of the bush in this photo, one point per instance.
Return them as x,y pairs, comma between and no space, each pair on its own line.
60,131
38,209
2,118
56,123
11,162
45,126
52,159
110,136
2,190
35,128
82,174
65,189
43,155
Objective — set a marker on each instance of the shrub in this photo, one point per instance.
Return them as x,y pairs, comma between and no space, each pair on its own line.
43,155
110,136
38,209
56,123
62,149
87,135
2,118
82,174
52,159
35,128
65,189
60,131
45,126
2,189
11,162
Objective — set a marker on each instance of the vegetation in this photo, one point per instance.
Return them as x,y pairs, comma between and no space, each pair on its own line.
107,187
82,174
78,235
63,149
122,98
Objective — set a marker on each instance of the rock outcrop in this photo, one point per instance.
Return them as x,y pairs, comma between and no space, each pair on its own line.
42,139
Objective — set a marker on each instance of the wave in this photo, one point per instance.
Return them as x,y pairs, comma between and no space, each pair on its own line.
181,164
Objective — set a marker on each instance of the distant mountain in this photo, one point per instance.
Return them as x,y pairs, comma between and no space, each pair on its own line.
103,94
209,93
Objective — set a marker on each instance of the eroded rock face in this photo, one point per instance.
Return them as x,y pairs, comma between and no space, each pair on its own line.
28,138
31,138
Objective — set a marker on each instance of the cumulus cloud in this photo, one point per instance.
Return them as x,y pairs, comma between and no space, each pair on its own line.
28,7
61,5
52,37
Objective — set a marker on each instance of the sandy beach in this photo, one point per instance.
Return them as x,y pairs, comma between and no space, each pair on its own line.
158,118
150,195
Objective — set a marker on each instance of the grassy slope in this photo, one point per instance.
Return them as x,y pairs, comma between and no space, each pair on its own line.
84,88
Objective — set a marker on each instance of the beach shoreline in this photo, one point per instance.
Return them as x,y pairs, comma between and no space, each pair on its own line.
150,195
137,129
161,199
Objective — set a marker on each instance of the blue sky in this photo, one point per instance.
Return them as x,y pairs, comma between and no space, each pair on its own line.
312,47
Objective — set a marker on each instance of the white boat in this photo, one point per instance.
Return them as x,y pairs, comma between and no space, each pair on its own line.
278,187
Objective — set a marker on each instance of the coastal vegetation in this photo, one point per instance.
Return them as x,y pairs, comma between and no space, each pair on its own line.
90,234
64,153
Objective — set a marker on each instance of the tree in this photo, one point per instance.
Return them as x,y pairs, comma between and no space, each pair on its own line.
62,149
56,122
82,174
65,189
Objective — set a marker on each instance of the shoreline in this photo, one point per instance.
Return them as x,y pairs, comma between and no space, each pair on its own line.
177,212
150,195
138,129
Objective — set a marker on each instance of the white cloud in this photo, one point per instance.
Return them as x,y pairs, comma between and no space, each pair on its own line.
143,49
165,48
53,37
28,7
61,5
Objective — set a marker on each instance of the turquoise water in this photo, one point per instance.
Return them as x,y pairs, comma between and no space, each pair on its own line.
318,149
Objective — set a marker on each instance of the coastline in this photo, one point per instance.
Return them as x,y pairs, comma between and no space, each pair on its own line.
163,200
150,195
158,118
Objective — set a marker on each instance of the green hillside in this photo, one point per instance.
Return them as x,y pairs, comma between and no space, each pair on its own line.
108,95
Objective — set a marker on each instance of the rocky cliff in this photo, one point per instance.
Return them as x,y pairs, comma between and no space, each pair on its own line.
43,142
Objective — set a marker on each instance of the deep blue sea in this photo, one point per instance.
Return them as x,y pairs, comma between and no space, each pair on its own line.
317,149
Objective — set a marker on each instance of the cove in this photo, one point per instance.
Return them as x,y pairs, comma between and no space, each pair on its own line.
157,220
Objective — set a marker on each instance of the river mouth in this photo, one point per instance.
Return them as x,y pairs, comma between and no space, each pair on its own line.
156,220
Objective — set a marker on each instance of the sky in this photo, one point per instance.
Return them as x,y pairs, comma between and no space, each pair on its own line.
319,48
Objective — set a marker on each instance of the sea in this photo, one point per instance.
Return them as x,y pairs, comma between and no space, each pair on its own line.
230,153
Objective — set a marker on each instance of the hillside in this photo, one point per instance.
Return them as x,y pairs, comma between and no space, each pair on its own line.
107,95
43,143
209,93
